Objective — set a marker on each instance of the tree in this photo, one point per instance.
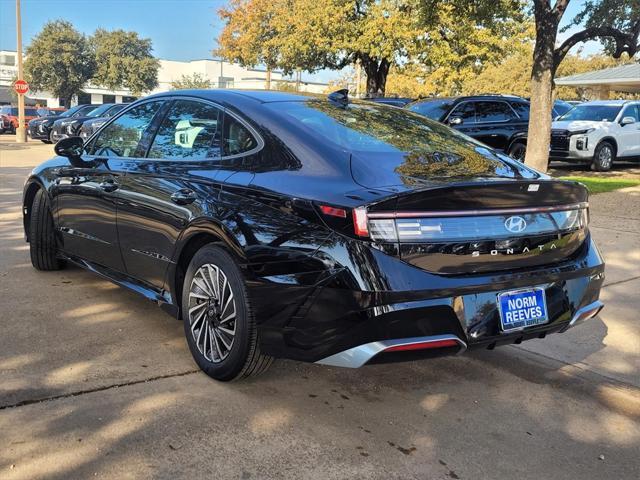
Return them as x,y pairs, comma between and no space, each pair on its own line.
188,82
464,37
123,60
513,74
60,60
453,37
616,22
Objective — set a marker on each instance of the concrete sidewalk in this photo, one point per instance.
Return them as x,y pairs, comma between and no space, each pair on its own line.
98,382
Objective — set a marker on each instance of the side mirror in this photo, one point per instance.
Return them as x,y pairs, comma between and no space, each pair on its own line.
455,121
627,121
70,147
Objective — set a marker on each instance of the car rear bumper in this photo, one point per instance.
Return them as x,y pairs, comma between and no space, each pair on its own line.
375,302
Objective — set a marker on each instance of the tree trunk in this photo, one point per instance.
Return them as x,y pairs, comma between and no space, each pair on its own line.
376,76
539,135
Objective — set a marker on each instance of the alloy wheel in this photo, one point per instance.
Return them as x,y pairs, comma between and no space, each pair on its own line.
605,156
212,313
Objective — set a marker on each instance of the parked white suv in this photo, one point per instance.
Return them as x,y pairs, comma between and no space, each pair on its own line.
598,132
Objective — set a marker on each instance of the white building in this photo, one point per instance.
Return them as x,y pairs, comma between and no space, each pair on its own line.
220,73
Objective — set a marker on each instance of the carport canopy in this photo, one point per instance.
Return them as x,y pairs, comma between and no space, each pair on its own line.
625,78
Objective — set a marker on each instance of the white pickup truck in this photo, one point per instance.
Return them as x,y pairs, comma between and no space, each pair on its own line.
597,132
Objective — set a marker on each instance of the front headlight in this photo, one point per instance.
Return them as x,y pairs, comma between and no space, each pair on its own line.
66,122
582,132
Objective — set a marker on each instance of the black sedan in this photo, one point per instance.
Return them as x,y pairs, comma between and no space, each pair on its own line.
71,126
93,124
315,228
41,128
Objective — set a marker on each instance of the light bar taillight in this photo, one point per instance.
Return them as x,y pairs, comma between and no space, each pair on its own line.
422,346
360,225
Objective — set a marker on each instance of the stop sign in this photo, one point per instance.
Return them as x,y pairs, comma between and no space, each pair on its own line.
21,87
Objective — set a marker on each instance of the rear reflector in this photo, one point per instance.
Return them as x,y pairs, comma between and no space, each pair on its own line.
360,222
422,346
332,211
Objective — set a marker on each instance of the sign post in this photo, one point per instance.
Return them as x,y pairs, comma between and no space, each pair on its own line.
21,131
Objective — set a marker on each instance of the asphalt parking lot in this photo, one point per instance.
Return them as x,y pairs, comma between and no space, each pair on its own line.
98,382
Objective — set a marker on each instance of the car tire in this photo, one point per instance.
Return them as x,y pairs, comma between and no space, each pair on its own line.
51,140
603,157
42,239
517,151
215,303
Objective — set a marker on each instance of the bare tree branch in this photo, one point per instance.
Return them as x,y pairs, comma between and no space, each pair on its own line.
559,8
625,42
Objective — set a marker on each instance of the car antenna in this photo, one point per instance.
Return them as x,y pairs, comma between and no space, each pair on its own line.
340,96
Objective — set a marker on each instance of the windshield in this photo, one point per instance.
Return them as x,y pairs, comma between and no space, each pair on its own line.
100,110
84,111
561,107
433,109
594,113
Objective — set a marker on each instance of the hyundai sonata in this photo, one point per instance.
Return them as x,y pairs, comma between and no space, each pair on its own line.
320,229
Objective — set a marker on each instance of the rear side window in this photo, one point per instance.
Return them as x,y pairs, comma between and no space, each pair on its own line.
522,109
237,138
189,132
122,137
493,112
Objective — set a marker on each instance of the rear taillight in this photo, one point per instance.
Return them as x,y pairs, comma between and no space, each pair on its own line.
360,226
333,211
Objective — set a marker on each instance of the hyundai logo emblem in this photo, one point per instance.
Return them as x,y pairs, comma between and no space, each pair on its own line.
515,224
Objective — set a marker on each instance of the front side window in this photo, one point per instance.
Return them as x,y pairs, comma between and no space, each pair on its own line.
466,111
122,137
237,138
632,111
189,132
493,112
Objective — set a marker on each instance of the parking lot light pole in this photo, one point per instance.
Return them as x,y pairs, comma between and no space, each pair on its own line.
21,132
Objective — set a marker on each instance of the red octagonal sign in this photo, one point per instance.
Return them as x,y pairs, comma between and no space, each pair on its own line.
21,87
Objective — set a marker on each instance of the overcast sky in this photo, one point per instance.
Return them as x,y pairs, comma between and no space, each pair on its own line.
179,29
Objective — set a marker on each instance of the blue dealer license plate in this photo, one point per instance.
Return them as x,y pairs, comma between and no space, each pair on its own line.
522,308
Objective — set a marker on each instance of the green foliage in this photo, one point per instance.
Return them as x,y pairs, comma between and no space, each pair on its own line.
60,60
123,60
451,38
601,185
188,82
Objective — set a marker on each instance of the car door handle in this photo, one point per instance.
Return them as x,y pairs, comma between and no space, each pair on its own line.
183,197
109,186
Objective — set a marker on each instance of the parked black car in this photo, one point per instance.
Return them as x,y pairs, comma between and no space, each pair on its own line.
500,121
316,229
41,128
394,101
70,127
91,125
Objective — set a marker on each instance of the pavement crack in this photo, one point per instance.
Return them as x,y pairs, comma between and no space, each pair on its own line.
77,393
621,281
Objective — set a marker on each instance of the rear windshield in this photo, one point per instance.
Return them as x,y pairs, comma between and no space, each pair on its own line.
368,127
595,113
433,109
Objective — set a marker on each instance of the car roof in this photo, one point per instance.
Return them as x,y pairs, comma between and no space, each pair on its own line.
262,96
611,103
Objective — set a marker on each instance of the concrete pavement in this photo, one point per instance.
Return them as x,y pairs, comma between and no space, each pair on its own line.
97,382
